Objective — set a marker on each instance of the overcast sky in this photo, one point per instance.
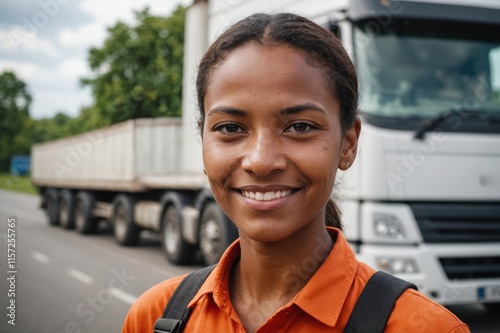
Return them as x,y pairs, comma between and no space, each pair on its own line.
45,42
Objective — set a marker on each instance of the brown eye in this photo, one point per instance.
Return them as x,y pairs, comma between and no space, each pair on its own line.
229,128
300,128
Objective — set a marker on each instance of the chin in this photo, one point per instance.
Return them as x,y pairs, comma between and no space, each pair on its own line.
266,231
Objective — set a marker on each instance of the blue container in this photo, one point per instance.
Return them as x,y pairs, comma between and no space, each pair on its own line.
20,165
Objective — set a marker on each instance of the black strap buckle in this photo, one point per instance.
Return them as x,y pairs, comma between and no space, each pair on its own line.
165,325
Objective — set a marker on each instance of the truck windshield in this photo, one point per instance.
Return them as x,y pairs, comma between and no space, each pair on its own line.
418,70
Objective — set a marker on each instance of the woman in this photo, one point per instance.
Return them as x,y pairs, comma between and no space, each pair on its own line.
278,101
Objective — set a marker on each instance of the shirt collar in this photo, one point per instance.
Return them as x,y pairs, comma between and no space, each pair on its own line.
217,283
329,285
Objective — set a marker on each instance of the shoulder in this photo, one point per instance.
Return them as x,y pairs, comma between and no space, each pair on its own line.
150,306
415,312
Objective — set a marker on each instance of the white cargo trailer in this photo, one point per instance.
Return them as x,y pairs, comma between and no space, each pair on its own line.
131,174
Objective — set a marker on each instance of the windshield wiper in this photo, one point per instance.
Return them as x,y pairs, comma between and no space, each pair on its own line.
431,125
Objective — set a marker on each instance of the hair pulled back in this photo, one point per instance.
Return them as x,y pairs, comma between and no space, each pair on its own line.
321,48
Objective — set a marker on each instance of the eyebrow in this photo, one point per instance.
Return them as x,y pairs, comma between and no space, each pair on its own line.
227,110
300,108
284,112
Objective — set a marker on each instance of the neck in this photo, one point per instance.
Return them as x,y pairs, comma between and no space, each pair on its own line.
283,267
269,275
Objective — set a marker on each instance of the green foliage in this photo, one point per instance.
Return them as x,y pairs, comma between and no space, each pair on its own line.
18,184
15,101
138,71
18,131
59,126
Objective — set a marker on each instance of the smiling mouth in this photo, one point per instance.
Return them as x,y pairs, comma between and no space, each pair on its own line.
266,196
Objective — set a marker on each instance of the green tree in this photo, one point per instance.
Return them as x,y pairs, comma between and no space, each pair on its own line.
15,102
40,130
138,71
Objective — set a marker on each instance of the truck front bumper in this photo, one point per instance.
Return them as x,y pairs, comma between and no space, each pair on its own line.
449,273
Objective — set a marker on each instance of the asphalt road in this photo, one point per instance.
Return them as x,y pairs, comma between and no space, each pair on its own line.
66,282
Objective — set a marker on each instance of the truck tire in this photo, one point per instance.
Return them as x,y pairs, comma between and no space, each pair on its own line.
176,249
217,232
67,209
124,228
52,197
85,222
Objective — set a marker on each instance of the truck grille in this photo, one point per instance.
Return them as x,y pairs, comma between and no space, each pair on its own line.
471,268
452,222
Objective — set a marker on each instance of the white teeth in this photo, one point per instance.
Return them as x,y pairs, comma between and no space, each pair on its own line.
266,196
269,196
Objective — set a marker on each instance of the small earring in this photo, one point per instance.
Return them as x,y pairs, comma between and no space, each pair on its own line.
204,171
347,165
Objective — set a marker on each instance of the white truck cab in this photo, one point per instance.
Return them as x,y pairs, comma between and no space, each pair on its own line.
422,200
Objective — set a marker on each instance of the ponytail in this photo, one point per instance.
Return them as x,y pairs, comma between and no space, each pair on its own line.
332,215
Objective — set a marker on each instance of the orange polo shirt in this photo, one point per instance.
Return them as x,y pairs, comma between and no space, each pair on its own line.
323,305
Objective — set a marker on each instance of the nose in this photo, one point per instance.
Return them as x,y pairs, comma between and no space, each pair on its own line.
264,154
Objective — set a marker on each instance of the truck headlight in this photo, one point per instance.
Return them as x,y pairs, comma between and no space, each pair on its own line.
397,265
388,226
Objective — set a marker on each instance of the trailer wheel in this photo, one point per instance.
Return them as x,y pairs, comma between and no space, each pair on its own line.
176,249
492,307
217,232
125,230
85,223
52,198
67,209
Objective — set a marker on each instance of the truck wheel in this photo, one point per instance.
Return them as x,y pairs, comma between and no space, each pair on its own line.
85,223
52,198
124,228
67,209
217,232
492,307
176,249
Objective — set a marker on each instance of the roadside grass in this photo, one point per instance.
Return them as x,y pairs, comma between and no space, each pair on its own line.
17,184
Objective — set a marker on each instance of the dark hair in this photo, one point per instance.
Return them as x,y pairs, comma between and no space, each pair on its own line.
320,46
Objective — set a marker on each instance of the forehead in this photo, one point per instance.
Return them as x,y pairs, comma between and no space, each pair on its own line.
268,71
275,57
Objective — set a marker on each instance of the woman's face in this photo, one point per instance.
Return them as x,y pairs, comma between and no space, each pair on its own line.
272,141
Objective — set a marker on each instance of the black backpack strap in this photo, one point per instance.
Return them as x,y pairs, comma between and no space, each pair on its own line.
176,312
375,304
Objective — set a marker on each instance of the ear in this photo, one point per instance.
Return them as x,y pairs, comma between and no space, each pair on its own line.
350,146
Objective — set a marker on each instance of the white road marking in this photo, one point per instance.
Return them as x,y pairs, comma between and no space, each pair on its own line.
115,253
82,277
44,259
122,296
